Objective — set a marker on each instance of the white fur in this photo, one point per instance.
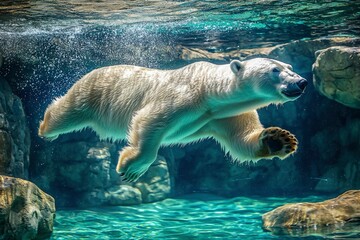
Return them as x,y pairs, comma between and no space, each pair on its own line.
151,107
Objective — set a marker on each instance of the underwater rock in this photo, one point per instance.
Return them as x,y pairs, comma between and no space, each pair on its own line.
155,185
330,213
26,212
75,169
337,74
123,195
83,166
14,134
299,53
197,54
189,54
79,171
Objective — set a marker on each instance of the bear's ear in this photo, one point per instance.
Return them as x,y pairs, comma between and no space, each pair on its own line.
236,66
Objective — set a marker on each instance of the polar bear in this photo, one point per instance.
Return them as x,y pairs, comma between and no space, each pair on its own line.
151,107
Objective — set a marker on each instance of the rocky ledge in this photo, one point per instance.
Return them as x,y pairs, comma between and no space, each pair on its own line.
299,53
310,217
26,212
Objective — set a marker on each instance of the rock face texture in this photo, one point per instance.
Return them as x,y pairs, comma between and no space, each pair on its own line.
26,212
337,74
301,53
331,213
338,152
154,185
80,165
14,134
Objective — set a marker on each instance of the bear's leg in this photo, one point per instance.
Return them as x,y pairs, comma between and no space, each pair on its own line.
144,139
244,138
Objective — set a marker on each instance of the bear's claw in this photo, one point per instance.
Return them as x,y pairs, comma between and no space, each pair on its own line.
130,166
130,176
277,142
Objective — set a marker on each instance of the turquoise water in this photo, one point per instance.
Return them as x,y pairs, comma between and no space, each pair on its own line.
47,45
191,217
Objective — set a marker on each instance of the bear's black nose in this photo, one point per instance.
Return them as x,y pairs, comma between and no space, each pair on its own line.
302,84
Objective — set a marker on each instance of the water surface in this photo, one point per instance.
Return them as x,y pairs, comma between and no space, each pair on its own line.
190,217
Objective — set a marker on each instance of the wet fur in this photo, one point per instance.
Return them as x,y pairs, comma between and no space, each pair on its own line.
150,108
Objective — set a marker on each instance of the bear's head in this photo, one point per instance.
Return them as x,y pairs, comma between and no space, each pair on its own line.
268,78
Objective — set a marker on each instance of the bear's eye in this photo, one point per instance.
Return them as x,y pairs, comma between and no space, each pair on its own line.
276,70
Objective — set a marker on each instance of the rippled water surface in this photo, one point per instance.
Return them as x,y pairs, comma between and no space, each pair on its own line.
205,20
192,217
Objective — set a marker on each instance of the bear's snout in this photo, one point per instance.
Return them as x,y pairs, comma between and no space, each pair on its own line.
302,84
294,89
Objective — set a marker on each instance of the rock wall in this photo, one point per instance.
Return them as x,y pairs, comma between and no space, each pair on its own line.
79,170
14,134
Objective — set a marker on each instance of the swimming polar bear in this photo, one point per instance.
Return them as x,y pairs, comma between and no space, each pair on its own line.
151,107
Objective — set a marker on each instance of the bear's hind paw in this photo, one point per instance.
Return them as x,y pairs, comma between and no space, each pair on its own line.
277,142
130,166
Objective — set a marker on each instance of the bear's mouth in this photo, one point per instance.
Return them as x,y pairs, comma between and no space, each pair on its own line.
292,94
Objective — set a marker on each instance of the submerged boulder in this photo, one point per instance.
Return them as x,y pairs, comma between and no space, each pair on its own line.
337,74
155,185
83,166
26,212
123,195
79,171
333,213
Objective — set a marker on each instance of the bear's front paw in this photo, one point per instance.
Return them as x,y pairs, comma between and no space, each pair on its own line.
277,142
